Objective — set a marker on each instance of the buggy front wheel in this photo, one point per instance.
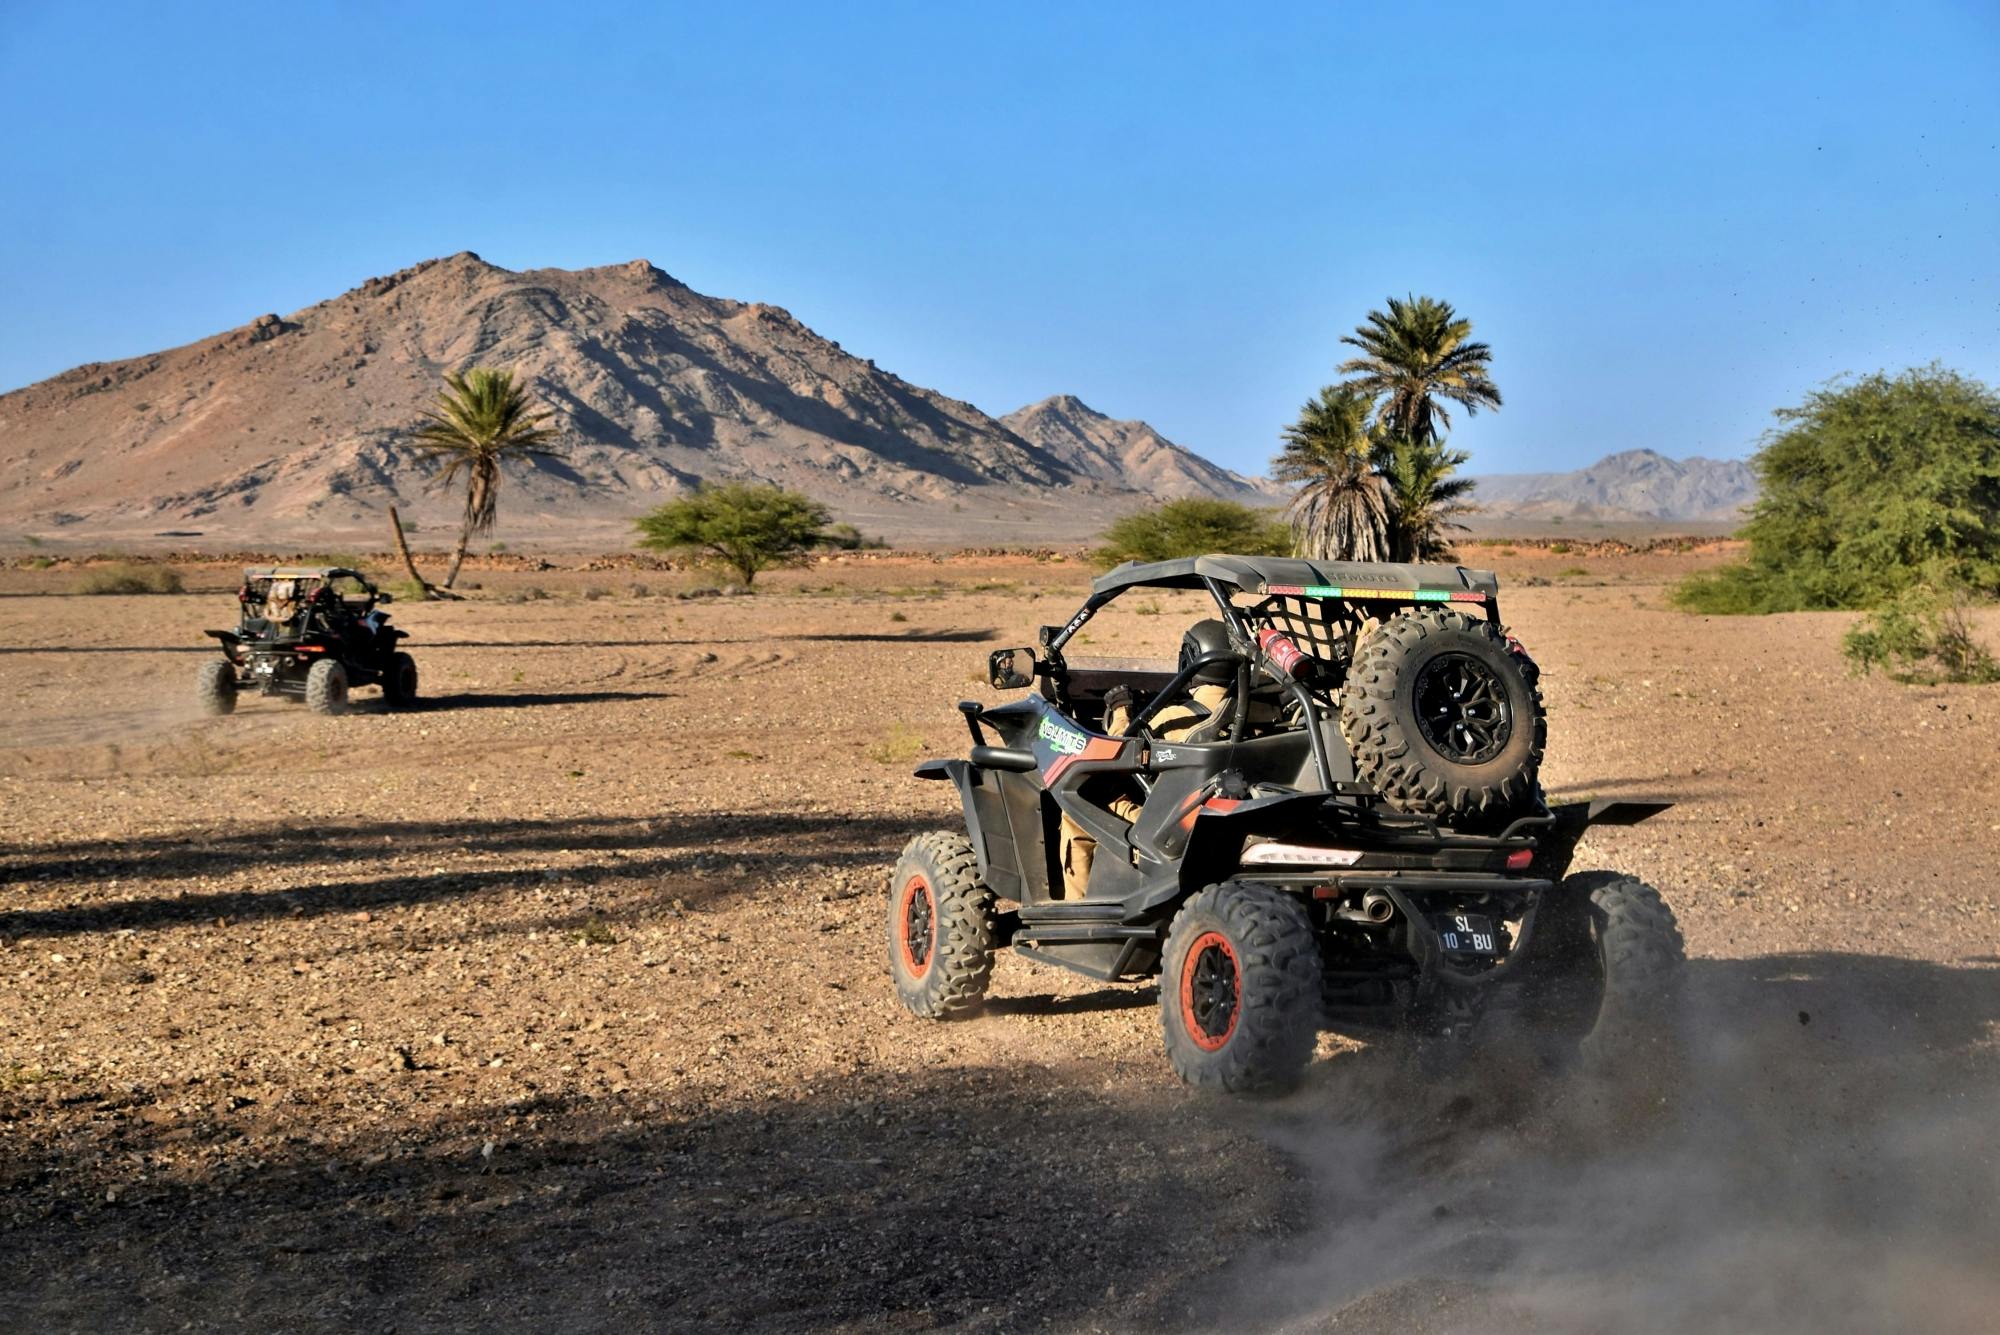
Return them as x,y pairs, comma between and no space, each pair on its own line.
941,927
1239,990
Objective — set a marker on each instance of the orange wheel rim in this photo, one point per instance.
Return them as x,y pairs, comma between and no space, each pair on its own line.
916,924
1211,991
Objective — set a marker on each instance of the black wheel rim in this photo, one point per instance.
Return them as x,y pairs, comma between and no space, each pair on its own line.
1462,709
1212,991
917,928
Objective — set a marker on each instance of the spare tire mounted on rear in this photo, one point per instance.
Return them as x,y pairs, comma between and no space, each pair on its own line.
1443,716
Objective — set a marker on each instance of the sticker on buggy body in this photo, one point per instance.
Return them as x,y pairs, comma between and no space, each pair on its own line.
1063,741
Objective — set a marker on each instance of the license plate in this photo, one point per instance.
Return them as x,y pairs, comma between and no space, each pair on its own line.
1467,934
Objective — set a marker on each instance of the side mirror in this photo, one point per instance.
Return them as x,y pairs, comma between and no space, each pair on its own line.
385,597
1011,669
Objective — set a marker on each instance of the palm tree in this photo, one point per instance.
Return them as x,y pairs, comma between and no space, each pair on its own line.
482,420
1415,355
1425,499
1341,512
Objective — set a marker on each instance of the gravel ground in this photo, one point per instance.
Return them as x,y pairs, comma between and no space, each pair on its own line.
559,1002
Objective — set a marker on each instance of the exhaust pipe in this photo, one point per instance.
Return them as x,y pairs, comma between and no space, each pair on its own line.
1375,909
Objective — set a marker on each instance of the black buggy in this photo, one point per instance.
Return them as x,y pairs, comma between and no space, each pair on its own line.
1326,814
308,633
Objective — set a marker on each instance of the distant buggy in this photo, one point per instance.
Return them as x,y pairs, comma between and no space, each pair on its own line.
310,633
1326,814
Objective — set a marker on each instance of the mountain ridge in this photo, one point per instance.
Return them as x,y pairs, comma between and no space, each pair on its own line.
1638,484
299,423
1099,445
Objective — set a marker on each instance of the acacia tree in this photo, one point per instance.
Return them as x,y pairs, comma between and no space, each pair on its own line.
482,419
1873,488
738,525
1341,510
1416,353
1193,526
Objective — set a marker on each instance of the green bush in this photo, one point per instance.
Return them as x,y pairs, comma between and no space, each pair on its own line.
739,526
129,577
1923,636
1194,527
1871,488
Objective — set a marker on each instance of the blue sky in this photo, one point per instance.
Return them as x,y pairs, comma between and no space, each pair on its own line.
1667,220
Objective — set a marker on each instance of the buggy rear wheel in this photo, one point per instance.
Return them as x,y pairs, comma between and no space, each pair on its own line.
1239,990
399,683
1605,985
215,686
326,688
941,927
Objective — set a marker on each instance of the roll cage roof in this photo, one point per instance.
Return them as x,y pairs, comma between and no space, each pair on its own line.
1287,577
300,572
1317,579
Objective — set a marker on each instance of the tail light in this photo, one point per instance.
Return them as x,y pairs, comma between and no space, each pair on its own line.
1520,859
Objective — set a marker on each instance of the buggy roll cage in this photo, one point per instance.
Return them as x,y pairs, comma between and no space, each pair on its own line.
1300,599
321,576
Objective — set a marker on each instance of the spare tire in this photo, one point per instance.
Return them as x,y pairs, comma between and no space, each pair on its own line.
1444,717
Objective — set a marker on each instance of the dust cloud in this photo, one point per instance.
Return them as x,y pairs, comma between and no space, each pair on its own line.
1822,1156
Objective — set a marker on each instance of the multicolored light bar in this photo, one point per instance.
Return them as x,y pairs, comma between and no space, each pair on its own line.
1398,595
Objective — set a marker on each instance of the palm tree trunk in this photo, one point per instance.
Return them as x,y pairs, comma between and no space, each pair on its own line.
403,550
458,555
464,535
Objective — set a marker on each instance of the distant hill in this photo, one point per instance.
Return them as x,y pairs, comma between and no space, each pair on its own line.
1633,485
292,428
1129,453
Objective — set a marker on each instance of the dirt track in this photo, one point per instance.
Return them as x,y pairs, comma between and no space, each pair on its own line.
558,1003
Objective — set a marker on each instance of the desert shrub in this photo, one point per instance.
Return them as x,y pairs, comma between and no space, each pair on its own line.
129,577
41,562
595,931
406,590
1568,572
1559,548
736,525
899,746
594,592
1870,488
1924,635
847,538
1194,527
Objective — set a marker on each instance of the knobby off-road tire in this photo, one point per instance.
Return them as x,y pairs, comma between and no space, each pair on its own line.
326,688
399,683
1605,984
1240,990
215,687
941,927
1443,717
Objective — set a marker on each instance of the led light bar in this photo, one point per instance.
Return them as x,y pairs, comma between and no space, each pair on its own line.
1397,595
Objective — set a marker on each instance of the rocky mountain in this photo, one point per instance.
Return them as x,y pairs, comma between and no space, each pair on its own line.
292,427
1129,453
1633,485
